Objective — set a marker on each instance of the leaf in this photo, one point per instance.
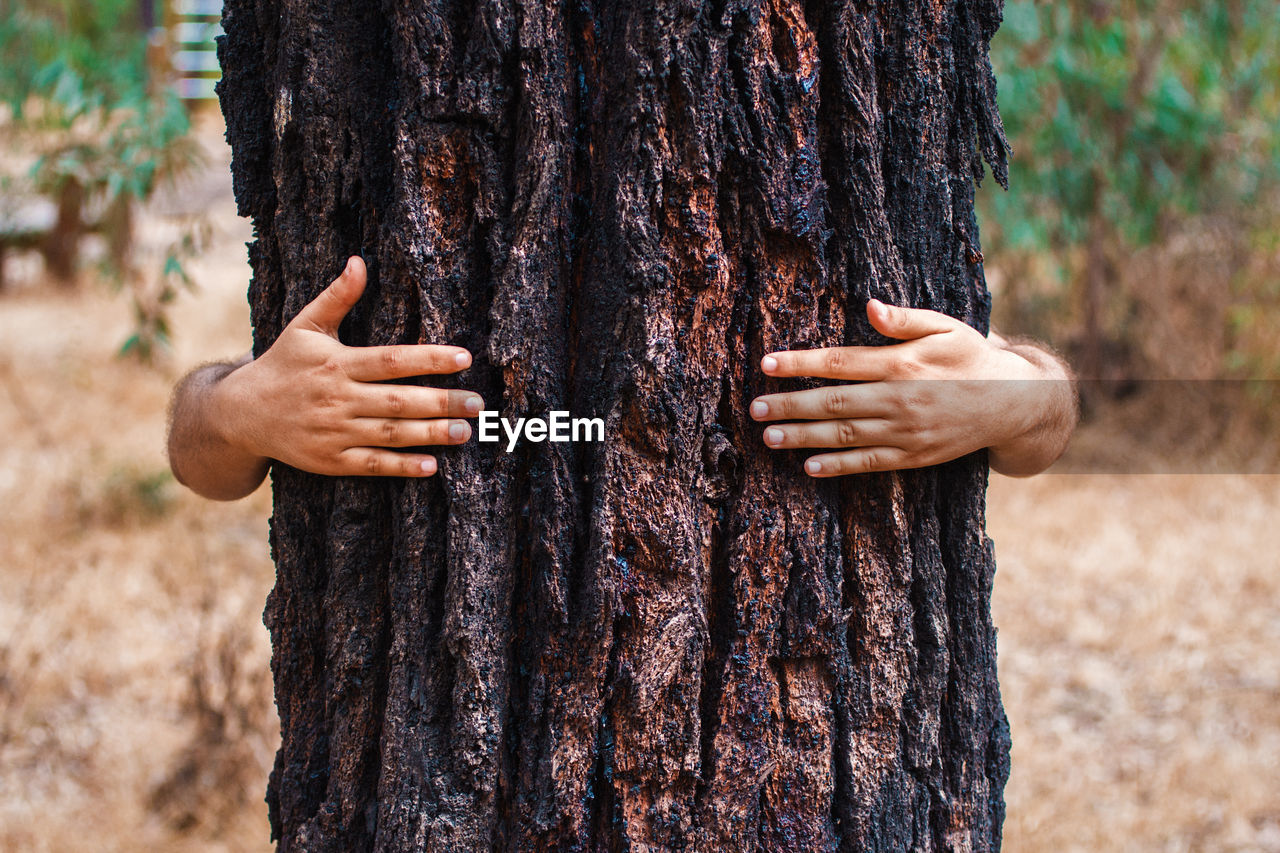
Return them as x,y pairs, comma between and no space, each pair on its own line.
172,266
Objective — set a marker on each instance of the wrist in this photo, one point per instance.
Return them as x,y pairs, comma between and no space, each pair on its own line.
231,400
1043,414
202,451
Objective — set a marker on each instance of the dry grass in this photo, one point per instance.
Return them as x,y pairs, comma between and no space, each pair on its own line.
135,699
1140,661
1140,635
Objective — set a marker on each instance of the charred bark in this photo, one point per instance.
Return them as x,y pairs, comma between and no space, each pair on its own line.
672,639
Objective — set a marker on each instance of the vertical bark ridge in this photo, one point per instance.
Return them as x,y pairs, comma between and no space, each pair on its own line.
672,639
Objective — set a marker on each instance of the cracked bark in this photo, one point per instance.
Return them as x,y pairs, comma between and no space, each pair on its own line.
672,639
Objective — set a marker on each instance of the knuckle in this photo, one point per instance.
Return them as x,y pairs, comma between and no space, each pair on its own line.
391,358
432,358
326,437
326,400
873,460
846,433
910,422
395,403
837,360
391,432
911,401
833,401
373,464
927,442
909,367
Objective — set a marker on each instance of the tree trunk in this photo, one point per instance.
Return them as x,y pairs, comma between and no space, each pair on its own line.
670,639
61,247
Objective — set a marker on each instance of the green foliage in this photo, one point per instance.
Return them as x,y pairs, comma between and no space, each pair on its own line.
1146,142
1137,114
100,133
128,151
82,57
75,74
152,300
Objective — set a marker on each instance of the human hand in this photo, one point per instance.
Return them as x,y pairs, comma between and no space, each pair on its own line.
1017,401
318,405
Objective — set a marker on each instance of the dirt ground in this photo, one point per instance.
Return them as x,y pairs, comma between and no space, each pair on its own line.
1139,615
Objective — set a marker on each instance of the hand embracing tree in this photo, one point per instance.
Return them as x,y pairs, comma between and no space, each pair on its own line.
669,639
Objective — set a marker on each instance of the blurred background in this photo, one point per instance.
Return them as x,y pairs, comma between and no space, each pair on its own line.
1139,612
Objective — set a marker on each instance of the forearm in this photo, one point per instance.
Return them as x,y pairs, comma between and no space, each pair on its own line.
200,453
1053,411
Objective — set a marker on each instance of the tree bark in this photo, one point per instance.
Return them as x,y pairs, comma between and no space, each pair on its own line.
671,639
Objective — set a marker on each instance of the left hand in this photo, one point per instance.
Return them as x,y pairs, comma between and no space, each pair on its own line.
891,419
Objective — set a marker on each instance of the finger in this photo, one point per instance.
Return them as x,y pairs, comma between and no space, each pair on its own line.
907,323
843,432
326,311
835,401
402,432
374,364
377,400
860,461
377,462
856,363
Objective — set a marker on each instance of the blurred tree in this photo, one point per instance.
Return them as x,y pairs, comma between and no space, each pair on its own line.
1125,119
101,138
98,43
671,639
75,80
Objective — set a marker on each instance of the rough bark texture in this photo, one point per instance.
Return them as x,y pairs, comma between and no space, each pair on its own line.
672,639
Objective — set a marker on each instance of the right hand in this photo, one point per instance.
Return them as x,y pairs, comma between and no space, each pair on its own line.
315,404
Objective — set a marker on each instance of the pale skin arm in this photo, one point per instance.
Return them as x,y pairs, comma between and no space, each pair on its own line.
1017,400
317,405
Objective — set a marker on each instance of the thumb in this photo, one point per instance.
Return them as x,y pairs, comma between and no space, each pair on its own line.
906,324
326,311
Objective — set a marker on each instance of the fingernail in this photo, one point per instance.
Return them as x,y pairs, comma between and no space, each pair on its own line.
462,359
812,466
768,364
759,409
347,269
428,466
773,436
473,405
458,431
